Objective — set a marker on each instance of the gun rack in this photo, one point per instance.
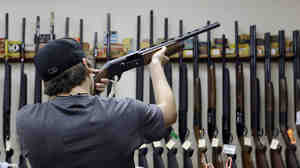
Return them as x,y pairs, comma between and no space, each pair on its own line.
175,59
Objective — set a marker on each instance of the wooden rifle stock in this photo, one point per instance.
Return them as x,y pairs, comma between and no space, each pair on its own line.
260,149
290,151
201,154
276,159
211,101
246,155
147,57
217,159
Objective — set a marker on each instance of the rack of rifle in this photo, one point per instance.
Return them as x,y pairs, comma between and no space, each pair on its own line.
271,129
15,53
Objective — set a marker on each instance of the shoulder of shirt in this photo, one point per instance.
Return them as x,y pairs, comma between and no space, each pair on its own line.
126,100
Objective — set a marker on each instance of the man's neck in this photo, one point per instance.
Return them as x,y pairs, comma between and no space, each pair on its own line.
75,91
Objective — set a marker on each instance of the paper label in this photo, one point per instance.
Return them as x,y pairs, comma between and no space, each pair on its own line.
298,118
143,146
8,146
274,144
229,50
229,149
188,52
215,142
259,51
201,143
157,144
273,51
247,141
186,145
170,144
216,52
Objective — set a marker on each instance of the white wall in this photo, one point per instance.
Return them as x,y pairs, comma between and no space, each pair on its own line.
269,15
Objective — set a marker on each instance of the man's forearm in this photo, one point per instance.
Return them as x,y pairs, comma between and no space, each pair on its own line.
163,94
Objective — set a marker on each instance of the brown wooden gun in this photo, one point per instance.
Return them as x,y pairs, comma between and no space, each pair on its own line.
143,57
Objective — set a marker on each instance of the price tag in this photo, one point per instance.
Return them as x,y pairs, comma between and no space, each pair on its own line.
186,145
230,51
201,143
260,51
188,52
298,118
143,146
8,146
274,144
157,144
170,144
247,141
229,149
273,51
216,52
215,142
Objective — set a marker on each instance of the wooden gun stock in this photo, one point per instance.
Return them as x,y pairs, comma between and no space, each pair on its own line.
212,87
269,110
211,101
283,102
290,156
217,159
276,159
246,157
260,154
147,57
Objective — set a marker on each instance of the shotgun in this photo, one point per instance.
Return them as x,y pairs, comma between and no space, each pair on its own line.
257,132
52,34
67,26
108,48
183,107
143,56
226,128
199,132
157,147
271,132
172,151
81,32
240,107
296,79
286,131
37,81
23,85
142,160
211,111
7,99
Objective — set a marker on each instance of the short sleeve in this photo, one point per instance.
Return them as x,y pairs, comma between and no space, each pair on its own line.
152,126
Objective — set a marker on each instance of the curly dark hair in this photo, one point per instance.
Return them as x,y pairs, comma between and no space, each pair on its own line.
64,82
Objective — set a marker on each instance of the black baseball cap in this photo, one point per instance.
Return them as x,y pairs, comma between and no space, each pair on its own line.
57,56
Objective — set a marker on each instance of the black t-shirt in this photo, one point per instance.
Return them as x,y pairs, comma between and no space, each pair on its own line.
85,131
